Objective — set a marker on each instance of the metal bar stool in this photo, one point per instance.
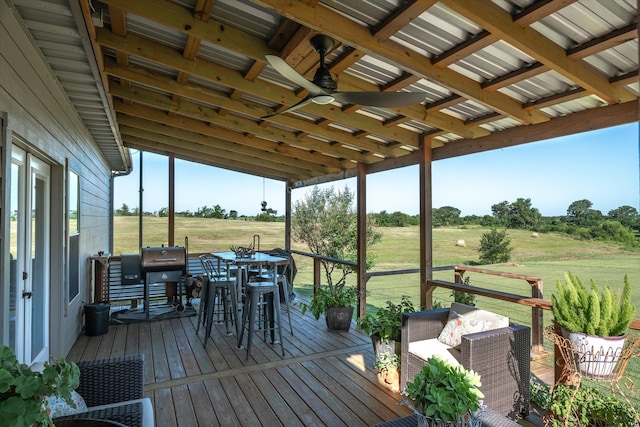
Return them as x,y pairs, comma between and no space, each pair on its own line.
215,300
263,297
283,283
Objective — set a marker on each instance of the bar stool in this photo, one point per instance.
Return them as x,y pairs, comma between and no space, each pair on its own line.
263,297
283,283
215,300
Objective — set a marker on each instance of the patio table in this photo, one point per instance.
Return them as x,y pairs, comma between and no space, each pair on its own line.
258,259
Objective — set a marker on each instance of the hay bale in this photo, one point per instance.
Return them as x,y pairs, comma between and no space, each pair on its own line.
461,243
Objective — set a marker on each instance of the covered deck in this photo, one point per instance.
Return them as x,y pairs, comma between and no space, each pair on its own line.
326,378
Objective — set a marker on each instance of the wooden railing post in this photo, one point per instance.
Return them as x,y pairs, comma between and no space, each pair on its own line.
316,274
537,318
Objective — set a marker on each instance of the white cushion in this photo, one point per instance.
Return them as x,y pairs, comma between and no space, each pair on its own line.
459,325
147,410
426,348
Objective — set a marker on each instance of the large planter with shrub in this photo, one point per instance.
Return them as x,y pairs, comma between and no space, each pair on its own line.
336,302
339,318
595,321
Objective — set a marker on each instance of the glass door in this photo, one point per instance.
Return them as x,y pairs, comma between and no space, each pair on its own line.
29,245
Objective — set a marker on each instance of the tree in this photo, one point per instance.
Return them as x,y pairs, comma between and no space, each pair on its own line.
625,215
446,215
519,214
495,247
123,211
326,222
522,215
501,211
580,214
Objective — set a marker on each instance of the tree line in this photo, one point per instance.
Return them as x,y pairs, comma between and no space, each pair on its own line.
581,220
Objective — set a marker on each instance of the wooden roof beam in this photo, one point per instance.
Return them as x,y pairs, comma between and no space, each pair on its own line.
538,10
401,17
491,17
607,41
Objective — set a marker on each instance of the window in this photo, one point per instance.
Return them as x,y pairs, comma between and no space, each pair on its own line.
73,227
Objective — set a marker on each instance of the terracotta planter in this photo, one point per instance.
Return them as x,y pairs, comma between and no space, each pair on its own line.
339,318
390,379
595,356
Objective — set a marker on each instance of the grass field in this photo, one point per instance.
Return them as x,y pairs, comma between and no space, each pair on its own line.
548,256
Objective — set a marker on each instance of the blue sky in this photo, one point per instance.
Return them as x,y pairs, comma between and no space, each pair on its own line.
602,166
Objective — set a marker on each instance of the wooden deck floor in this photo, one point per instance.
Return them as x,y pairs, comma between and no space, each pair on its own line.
325,378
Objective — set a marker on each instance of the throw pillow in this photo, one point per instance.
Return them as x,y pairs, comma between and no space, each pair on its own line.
56,406
459,325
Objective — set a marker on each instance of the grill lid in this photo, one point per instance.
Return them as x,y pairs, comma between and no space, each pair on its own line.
169,258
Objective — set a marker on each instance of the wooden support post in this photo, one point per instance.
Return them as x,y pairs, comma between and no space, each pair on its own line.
426,223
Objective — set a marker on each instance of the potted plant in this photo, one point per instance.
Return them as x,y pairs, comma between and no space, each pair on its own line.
388,367
23,392
587,406
444,394
336,302
385,326
594,320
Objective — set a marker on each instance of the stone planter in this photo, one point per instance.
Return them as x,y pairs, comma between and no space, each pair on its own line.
339,318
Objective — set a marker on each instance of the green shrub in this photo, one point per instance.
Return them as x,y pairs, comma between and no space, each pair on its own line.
589,406
387,321
495,247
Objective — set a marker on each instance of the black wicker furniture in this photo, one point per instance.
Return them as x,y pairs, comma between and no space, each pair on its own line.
113,390
501,356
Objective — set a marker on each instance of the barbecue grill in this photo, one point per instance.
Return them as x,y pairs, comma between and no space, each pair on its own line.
163,264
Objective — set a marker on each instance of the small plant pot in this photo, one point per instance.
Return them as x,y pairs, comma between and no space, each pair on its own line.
390,379
339,318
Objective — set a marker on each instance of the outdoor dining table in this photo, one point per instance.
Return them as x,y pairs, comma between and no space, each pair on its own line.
258,259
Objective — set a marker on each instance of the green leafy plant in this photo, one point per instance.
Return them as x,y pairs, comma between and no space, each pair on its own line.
592,310
588,407
444,391
387,360
464,297
22,391
386,323
328,297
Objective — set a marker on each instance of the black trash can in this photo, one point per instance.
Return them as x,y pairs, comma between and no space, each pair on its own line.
96,318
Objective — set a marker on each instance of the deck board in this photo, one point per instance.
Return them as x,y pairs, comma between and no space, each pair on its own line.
324,379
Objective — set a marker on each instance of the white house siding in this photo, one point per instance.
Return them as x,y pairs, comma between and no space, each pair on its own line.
34,109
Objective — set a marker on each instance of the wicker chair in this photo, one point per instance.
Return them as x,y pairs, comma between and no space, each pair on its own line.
112,389
500,356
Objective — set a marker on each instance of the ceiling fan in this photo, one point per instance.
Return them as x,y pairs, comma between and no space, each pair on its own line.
324,90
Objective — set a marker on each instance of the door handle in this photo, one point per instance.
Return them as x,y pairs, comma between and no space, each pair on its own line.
27,294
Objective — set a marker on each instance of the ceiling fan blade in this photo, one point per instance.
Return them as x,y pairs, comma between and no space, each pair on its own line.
380,99
307,100
290,74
